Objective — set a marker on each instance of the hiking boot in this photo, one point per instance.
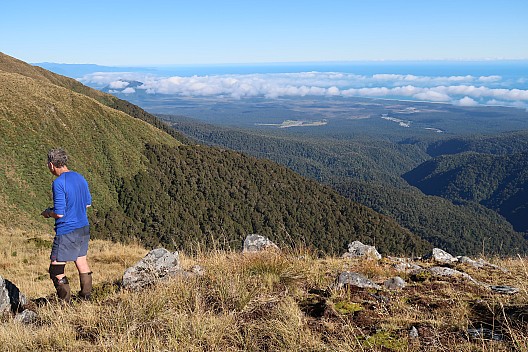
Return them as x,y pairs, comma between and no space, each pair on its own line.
86,286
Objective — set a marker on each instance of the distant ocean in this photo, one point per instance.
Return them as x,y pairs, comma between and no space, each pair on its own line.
511,70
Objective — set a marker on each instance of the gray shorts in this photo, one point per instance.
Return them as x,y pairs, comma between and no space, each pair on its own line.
69,247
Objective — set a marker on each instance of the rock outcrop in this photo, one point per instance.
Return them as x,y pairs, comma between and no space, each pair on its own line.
158,265
258,243
357,249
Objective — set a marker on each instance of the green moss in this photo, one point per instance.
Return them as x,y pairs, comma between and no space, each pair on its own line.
385,339
345,307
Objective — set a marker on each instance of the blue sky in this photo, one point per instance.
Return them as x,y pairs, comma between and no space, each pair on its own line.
116,32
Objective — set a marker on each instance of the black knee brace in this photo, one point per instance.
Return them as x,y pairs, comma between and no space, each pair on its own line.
54,271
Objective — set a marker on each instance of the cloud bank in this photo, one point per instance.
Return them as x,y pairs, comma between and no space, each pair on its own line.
459,90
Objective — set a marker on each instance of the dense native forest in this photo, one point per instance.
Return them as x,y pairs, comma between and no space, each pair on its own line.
369,171
201,196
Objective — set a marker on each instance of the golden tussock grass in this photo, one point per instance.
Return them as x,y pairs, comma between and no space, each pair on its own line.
258,302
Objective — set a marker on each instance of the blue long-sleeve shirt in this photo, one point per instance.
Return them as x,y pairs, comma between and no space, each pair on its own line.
71,196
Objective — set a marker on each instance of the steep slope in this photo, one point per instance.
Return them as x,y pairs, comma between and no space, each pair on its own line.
201,195
139,175
500,144
12,65
499,182
35,116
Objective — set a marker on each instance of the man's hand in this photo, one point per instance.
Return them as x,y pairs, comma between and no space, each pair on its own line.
46,213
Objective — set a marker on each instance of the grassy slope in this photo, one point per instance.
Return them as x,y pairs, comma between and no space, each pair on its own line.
257,302
35,116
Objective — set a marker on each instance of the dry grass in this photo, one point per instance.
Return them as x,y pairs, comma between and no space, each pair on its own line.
273,302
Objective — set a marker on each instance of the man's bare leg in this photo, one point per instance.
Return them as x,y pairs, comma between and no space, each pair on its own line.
85,277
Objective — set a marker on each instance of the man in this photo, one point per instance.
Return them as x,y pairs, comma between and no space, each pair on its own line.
71,198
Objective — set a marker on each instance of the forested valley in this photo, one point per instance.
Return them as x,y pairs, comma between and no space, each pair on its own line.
369,170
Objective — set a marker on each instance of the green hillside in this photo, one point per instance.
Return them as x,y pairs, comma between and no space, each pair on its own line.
146,185
36,116
198,195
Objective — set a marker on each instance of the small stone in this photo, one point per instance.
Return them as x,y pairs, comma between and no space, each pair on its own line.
395,283
198,270
26,317
348,278
413,333
258,243
507,290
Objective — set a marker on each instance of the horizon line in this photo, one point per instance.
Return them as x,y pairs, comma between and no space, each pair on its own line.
274,63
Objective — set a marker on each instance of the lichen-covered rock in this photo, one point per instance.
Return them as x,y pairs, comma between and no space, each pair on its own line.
394,283
440,256
26,317
479,263
348,278
413,333
258,243
159,264
440,271
357,249
406,267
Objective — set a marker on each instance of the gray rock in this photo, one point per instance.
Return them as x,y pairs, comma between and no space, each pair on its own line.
466,260
26,317
395,283
440,271
11,299
441,256
413,333
159,264
406,267
507,290
357,249
348,278
479,263
258,243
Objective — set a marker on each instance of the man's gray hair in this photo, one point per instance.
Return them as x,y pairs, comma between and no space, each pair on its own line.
58,157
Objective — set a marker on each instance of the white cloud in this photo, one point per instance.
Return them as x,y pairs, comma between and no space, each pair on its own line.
118,84
467,101
461,90
490,78
128,90
432,95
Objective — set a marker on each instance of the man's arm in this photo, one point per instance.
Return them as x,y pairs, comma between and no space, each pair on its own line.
49,213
